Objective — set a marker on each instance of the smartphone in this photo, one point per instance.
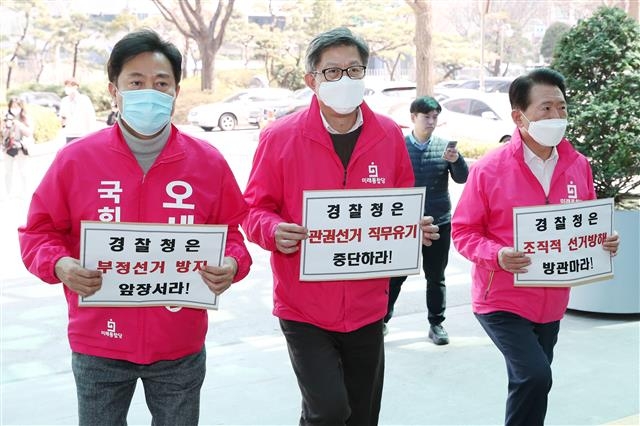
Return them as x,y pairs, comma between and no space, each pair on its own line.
450,144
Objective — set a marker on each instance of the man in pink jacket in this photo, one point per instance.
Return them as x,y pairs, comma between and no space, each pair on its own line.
333,328
539,166
142,169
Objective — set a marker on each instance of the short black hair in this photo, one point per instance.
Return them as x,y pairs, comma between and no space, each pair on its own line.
424,105
521,87
138,42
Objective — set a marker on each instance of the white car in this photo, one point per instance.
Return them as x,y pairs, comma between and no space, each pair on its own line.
476,116
384,96
301,99
491,84
241,109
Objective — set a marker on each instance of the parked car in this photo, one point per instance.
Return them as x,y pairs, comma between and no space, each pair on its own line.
241,109
491,84
476,116
301,99
383,96
45,99
449,84
400,111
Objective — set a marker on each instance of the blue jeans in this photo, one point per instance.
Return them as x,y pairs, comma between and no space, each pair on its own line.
527,348
105,388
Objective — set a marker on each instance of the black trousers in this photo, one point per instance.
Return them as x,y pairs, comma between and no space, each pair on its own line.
434,262
527,348
340,375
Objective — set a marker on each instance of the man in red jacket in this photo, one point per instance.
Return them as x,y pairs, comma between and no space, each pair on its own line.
333,328
538,166
142,169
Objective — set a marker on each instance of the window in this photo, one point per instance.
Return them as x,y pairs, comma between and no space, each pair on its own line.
460,106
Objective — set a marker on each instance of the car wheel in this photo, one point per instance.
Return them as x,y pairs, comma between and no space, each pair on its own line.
227,122
505,139
206,128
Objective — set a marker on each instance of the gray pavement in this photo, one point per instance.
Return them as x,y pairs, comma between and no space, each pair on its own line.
249,379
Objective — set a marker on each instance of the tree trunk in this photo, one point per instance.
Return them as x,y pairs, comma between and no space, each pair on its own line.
423,41
185,60
206,78
188,18
75,58
14,57
9,72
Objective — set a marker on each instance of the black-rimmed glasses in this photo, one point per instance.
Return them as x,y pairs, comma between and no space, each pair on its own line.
355,72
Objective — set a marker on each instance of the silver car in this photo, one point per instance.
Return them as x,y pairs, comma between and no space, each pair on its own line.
244,108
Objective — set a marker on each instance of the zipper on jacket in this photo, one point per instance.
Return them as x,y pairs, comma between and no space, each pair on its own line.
486,292
344,178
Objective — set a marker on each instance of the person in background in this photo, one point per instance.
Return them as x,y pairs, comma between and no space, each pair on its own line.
433,161
142,169
113,114
17,137
77,115
539,166
333,329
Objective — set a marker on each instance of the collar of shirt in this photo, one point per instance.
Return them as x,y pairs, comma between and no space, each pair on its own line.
331,130
542,169
422,146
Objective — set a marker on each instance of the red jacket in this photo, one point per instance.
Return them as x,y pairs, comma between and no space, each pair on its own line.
483,223
294,154
73,189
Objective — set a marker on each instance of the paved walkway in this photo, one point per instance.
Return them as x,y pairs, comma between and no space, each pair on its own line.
249,379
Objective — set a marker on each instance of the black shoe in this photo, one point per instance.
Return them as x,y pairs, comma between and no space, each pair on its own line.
438,334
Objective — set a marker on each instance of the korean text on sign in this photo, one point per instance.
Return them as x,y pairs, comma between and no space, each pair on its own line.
151,264
357,234
564,242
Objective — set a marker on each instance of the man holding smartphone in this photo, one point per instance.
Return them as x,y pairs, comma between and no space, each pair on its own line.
433,160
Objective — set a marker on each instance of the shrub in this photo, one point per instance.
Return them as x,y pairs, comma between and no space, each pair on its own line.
600,59
46,123
470,149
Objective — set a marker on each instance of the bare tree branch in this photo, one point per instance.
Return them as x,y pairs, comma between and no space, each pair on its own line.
208,34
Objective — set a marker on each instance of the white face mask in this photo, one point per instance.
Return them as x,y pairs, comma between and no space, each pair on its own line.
547,132
342,96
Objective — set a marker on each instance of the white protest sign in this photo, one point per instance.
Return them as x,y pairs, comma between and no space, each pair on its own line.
146,264
564,242
357,234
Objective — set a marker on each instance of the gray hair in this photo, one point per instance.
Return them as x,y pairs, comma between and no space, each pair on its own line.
340,36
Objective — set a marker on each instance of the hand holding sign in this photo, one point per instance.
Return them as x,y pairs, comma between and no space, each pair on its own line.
219,278
513,261
612,243
288,237
82,281
429,230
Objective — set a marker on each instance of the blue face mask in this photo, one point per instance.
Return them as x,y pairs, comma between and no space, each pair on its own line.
146,111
